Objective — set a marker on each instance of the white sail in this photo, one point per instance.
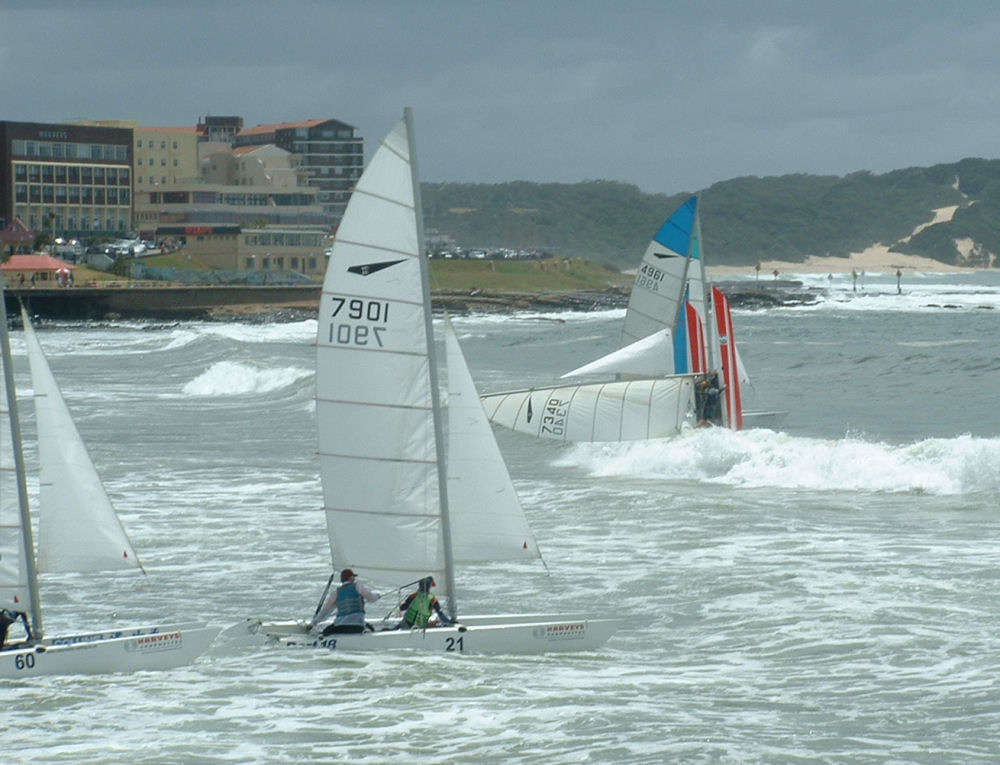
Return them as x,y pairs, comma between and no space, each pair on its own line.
112,650
13,571
660,281
487,520
614,411
78,529
377,441
652,356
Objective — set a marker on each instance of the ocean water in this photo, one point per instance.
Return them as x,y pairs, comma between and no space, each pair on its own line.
825,591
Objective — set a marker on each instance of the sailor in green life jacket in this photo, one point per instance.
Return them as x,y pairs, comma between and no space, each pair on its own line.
417,607
348,601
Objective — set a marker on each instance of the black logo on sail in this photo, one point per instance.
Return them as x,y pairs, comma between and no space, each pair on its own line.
666,255
369,268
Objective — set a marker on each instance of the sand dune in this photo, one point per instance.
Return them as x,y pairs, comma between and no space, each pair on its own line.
874,259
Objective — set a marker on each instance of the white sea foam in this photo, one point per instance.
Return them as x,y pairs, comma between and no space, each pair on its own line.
292,332
765,458
229,378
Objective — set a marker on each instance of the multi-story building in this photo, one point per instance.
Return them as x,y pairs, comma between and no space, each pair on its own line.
231,246
165,156
331,151
219,129
256,166
66,179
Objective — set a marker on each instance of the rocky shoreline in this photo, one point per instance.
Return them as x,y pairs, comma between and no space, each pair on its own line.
741,295
265,306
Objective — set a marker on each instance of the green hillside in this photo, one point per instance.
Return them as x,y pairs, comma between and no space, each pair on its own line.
744,220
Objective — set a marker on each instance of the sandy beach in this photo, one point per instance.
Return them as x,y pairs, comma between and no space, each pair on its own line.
875,259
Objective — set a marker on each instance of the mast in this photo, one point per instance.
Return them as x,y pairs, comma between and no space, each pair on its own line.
27,541
449,560
713,360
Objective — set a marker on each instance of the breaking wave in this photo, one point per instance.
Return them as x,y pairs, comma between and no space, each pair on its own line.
765,458
229,378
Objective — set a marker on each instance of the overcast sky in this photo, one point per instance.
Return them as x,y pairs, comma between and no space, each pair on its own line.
670,96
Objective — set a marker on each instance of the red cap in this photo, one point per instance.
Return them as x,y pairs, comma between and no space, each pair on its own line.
346,574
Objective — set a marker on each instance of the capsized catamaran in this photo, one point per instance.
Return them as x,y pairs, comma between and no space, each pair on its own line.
398,508
78,531
678,348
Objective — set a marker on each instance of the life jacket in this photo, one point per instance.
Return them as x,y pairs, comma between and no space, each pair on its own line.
419,611
349,601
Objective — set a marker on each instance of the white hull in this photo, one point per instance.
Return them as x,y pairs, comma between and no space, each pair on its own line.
130,650
493,634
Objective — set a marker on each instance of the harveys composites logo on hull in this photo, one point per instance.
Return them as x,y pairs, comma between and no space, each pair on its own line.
560,632
162,641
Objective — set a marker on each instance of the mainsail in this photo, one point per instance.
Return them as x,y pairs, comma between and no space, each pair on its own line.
660,282
375,383
613,411
13,558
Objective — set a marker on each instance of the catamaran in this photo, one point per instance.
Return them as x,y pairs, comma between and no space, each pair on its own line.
401,504
78,530
678,352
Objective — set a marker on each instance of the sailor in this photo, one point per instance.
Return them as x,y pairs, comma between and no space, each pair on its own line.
348,601
8,618
417,606
710,395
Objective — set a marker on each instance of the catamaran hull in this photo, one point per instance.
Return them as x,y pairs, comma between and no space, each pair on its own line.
474,635
163,647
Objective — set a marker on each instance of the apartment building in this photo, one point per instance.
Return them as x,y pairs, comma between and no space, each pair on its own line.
68,179
331,152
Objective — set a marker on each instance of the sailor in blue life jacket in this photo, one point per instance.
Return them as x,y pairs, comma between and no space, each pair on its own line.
348,601
417,607
8,618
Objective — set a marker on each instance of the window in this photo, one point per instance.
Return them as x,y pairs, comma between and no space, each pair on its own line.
139,162
163,144
175,163
175,144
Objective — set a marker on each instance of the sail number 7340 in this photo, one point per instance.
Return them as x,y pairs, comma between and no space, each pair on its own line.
358,322
554,417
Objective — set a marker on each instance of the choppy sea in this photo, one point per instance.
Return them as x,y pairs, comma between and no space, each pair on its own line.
826,591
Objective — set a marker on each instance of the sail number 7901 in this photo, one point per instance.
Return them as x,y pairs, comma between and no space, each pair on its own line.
358,322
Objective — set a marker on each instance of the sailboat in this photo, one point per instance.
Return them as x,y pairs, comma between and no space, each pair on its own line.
78,531
400,503
677,339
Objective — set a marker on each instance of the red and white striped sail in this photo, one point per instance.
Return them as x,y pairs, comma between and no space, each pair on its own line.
730,363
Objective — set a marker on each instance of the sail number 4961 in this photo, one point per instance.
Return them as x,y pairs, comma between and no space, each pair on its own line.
649,277
358,322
